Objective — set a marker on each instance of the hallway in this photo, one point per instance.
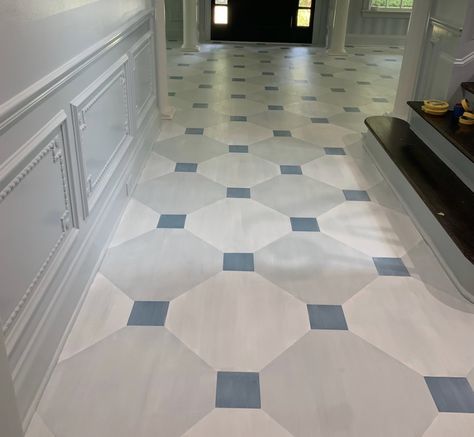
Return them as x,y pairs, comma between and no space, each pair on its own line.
264,279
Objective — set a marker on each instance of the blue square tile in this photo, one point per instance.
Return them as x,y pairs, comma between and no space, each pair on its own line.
390,267
209,71
275,108
211,60
194,131
319,120
351,109
363,82
271,88
334,151
380,99
238,193
318,63
350,69
238,79
327,317
304,224
265,62
172,221
176,77
356,195
186,167
238,118
268,73
205,86
200,105
171,94
386,76
239,66
338,90
309,98
451,394
148,314
282,133
238,96
238,149
372,64
291,169
239,262
183,65
238,390
300,81
327,75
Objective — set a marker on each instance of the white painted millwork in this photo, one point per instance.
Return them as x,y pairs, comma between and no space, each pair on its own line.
9,419
338,27
78,117
166,110
412,58
190,29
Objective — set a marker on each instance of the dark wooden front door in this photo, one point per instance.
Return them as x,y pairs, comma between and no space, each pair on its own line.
263,20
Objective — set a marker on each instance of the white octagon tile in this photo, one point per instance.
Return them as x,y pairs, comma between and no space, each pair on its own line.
238,170
402,318
237,133
136,220
190,148
105,310
238,225
370,228
230,422
322,134
134,382
451,424
237,321
155,167
343,172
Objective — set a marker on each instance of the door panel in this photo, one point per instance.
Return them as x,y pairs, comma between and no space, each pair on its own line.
263,20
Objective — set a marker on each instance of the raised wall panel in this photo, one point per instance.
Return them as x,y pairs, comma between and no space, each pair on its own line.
35,216
143,76
102,128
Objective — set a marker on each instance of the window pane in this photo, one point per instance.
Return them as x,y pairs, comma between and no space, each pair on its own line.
220,15
221,2
305,3
379,3
407,4
394,3
304,17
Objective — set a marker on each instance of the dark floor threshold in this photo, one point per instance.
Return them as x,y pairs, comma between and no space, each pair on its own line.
446,196
468,86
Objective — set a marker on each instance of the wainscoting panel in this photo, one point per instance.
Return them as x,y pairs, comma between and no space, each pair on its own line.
35,215
102,128
142,55
71,149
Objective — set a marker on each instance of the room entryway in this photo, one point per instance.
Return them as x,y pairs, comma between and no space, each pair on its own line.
290,21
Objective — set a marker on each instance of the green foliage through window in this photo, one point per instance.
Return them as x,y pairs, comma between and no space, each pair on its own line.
392,4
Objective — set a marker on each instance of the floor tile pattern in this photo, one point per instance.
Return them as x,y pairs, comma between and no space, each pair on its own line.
264,280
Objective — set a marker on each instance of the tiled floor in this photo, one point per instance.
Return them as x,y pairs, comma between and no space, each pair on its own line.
264,280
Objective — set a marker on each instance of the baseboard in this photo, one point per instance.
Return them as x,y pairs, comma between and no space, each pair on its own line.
72,280
375,40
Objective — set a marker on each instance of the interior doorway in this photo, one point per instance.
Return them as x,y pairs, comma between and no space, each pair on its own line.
286,21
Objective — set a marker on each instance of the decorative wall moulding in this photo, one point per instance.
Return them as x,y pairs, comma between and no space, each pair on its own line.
18,106
26,205
102,123
142,55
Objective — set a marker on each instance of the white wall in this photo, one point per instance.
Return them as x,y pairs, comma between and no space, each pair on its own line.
375,28
78,117
448,57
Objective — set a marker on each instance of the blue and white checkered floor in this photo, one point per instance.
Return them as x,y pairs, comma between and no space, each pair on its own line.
264,280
